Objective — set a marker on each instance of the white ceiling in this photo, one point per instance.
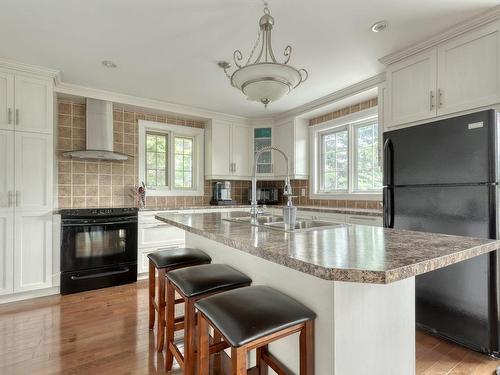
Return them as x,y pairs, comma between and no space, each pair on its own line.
168,49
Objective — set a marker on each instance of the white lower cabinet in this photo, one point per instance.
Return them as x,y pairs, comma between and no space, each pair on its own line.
32,250
6,251
155,235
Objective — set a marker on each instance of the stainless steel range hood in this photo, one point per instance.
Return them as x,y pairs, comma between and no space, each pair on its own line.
99,133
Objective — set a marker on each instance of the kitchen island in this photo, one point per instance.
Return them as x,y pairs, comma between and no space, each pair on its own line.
360,280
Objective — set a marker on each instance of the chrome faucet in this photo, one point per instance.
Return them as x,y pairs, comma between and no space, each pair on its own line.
287,188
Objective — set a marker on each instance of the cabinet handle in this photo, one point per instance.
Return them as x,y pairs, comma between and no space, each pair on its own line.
18,198
234,167
11,194
440,98
9,116
17,116
432,100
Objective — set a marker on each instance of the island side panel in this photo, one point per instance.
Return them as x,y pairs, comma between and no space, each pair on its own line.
375,328
313,292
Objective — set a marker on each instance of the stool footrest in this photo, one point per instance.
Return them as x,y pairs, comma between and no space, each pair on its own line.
274,363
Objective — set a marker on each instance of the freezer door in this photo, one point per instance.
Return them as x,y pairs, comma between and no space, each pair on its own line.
459,301
458,150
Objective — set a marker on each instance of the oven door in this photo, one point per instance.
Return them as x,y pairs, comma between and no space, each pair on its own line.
94,243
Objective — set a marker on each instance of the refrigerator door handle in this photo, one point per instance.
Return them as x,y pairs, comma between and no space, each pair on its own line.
388,210
388,163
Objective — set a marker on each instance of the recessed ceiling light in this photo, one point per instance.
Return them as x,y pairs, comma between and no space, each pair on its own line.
109,64
379,26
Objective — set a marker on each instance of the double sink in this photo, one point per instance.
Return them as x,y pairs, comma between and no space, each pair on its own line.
277,223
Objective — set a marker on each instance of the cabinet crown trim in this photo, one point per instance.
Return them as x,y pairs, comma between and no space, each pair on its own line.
30,69
469,24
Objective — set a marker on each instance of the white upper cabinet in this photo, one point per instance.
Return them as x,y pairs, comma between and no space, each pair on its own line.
461,74
412,87
33,171
6,101
468,71
240,150
291,137
227,152
33,112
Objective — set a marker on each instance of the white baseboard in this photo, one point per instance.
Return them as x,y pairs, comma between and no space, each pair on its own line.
28,295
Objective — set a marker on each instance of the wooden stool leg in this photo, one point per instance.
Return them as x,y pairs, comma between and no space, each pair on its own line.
161,311
152,278
217,362
239,361
307,349
261,364
189,337
203,346
169,356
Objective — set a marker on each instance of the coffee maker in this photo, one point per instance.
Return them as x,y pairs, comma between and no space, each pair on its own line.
221,193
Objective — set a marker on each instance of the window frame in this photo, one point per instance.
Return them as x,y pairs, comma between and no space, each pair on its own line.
167,161
321,159
355,128
193,158
173,131
316,133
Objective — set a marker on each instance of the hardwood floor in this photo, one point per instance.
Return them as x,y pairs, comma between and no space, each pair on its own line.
106,332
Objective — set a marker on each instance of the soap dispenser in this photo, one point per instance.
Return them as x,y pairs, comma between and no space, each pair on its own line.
289,214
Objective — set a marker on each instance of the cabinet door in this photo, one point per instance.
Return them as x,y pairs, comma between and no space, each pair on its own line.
221,148
6,101
6,169
33,171
34,105
284,140
33,250
411,87
241,150
469,71
6,250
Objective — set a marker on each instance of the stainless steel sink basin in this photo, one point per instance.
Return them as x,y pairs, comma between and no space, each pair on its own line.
277,223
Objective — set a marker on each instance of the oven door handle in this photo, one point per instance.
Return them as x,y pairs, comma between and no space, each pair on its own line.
100,274
93,223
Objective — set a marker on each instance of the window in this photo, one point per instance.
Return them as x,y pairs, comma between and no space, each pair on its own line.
334,160
368,175
345,157
170,159
183,162
156,159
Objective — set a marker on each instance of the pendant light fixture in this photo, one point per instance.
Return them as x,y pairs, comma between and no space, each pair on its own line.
265,79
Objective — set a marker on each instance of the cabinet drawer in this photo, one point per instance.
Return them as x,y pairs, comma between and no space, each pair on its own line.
143,260
159,234
365,220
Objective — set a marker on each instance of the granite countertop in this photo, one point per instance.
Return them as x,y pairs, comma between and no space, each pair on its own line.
355,253
337,210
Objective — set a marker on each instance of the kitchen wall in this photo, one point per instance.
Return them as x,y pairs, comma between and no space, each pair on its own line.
103,183
344,111
84,184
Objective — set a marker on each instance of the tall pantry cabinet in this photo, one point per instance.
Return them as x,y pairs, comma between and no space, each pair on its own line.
26,180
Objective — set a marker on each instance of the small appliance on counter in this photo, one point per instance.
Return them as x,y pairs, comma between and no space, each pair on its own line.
221,194
265,195
98,248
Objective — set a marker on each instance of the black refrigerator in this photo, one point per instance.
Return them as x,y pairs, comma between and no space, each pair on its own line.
442,177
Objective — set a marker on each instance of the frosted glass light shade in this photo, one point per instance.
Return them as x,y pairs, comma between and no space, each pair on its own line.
266,82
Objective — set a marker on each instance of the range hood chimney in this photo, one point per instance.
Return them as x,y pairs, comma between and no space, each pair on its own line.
99,133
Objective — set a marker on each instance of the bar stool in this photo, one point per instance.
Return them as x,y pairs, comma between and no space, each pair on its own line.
192,284
164,261
251,318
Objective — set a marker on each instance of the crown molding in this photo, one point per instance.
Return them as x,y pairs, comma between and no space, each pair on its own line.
456,30
154,104
30,69
354,89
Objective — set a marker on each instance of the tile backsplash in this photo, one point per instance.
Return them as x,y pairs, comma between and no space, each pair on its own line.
86,184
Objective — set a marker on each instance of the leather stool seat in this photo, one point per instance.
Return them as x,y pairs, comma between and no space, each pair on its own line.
169,258
247,314
207,278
